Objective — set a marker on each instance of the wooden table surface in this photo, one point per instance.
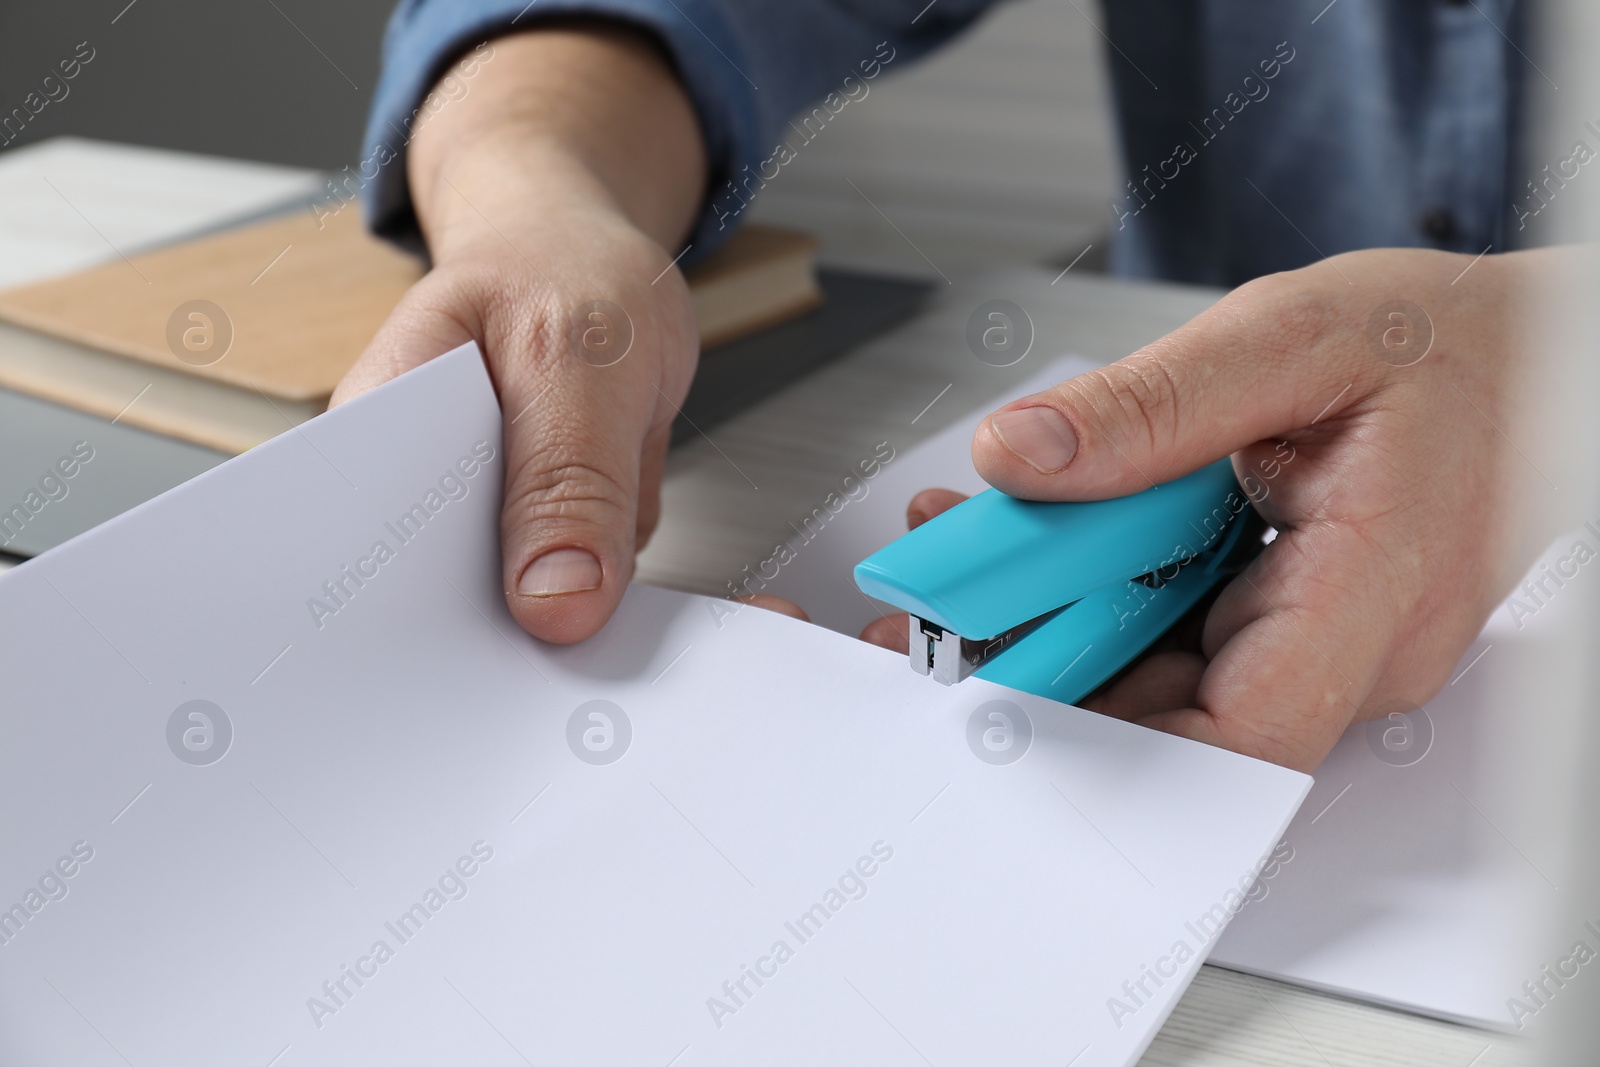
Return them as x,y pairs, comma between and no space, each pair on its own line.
729,497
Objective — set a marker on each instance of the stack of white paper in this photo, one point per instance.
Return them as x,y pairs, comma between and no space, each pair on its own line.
285,784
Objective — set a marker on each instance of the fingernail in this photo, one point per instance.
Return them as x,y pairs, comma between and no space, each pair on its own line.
915,517
1040,437
565,570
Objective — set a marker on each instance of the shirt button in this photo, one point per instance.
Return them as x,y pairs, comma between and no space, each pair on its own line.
1439,225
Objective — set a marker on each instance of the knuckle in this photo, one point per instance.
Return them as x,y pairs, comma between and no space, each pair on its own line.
500,302
565,489
516,322
1142,392
524,329
1288,316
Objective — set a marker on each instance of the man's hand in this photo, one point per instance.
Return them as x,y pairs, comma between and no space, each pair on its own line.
1370,403
549,196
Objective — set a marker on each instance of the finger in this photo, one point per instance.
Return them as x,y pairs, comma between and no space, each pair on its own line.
1173,679
930,502
1308,644
1240,602
891,631
653,465
768,602
576,436
1265,360
421,328
1159,682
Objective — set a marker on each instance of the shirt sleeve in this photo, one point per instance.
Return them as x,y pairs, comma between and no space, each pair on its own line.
748,66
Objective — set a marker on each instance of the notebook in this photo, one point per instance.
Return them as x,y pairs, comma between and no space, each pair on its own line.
229,339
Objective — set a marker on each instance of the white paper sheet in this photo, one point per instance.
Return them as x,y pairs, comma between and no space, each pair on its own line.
1416,878
1425,866
550,879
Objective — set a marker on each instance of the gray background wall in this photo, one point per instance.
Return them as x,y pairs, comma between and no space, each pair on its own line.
996,149
233,77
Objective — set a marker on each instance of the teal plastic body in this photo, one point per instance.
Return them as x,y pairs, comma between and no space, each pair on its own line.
995,562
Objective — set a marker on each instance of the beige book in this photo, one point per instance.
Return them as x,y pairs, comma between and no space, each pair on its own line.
230,339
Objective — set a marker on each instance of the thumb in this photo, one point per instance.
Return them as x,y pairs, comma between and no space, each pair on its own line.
583,403
575,428
1254,366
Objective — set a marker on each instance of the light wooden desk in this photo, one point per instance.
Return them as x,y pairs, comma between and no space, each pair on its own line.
728,501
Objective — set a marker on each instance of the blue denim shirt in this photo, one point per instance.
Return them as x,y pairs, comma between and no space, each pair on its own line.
1255,135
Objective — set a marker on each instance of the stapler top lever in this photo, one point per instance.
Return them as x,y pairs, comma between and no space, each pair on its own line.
1055,598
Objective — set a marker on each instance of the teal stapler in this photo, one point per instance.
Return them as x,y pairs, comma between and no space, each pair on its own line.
1056,598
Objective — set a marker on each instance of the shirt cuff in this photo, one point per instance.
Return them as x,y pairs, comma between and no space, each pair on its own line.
425,38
